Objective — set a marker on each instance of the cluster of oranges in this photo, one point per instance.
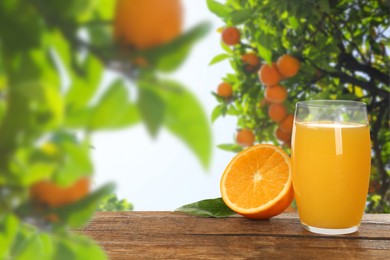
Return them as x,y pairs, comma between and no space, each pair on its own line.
275,94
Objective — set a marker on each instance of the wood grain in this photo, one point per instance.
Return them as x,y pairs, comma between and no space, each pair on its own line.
169,235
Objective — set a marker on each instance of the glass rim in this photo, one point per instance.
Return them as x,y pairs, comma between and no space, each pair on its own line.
327,102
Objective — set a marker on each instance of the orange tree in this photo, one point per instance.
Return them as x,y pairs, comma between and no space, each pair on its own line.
336,49
53,55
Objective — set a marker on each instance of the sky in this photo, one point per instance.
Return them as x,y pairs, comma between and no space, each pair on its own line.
163,174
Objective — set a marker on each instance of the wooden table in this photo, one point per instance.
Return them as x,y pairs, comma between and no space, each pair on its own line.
170,235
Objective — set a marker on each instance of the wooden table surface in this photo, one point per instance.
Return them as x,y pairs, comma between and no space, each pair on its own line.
171,235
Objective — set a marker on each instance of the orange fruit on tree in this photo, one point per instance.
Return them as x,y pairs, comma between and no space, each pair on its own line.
269,75
250,61
275,94
231,35
48,193
224,90
288,65
257,182
286,125
245,137
277,112
147,23
282,136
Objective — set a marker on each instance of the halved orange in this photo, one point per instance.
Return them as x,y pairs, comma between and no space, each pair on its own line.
257,183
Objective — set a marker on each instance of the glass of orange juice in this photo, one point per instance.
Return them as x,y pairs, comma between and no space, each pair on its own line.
331,162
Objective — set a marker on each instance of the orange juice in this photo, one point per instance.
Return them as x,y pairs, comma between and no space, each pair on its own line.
331,166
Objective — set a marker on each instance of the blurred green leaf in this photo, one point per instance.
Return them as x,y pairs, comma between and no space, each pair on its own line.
207,208
218,9
101,36
105,9
293,21
78,247
112,203
324,6
241,16
151,106
186,119
46,105
8,231
230,147
170,56
84,84
28,26
78,213
28,168
219,58
78,118
76,162
113,110
33,243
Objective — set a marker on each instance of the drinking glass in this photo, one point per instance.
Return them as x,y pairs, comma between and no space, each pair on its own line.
331,162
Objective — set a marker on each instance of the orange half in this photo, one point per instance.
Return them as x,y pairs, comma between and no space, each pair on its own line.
257,183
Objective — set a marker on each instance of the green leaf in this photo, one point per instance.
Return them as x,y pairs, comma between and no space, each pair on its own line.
218,9
77,163
226,48
152,107
101,37
78,247
105,9
219,58
29,171
293,21
265,53
217,112
240,16
230,147
207,208
21,28
45,101
324,6
84,84
113,109
78,118
186,119
170,56
34,243
48,73
233,111
8,231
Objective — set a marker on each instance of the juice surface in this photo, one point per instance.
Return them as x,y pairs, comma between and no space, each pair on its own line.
331,166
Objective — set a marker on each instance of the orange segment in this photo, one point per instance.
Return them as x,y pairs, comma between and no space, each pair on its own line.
257,182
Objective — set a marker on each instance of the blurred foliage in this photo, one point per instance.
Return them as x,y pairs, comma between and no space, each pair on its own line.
112,203
343,48
53,55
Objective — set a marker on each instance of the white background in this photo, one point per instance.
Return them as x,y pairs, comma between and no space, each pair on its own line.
164,174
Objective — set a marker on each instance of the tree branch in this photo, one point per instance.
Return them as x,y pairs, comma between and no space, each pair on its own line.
345,78
349,62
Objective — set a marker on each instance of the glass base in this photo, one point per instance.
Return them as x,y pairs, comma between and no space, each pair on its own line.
330,231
